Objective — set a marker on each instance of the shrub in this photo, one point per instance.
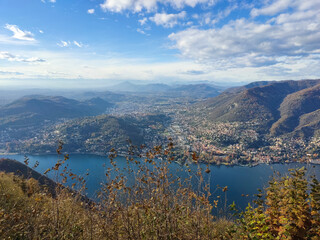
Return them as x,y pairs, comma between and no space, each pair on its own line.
290,210
154,204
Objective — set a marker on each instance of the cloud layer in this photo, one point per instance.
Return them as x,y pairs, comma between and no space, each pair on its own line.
149,5
16,58
69,44
246,42
168,20
19,34
214,40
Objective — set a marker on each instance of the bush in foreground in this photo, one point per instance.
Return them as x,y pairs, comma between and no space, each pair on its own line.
148,202
290,210
153,204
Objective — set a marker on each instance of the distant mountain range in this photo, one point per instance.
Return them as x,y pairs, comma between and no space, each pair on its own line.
120,93
191,90
278,107
131,87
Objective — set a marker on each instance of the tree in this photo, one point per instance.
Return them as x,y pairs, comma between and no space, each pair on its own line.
290,210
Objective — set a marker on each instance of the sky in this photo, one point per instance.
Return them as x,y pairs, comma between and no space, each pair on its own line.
95,43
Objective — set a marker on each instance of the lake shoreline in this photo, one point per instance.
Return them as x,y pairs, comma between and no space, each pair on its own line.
239,179
180,163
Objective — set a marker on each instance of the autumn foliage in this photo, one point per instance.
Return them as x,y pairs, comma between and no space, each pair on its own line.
290,210
146,201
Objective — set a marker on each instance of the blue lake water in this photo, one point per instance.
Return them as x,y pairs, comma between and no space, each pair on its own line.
240,180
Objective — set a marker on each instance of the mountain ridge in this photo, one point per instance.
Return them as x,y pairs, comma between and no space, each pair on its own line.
259,103
38,108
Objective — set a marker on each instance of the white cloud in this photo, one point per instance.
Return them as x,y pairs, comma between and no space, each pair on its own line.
63,44
133,5
16,58
211,18
91,11
69,44
40,31
244,42
19,34
149,5
143,21
278,6
191,3
168,20
4,39
80,45
52,1
285,46
139,30
205,18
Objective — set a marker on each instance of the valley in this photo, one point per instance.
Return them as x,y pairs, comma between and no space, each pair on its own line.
262,122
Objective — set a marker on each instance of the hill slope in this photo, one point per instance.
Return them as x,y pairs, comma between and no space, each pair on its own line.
265,104
95,134
293,107
54,107
309,124
34,110
20,169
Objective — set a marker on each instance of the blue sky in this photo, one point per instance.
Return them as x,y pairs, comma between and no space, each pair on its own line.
95,43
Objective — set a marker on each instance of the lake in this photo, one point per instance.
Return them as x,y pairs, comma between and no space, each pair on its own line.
240,180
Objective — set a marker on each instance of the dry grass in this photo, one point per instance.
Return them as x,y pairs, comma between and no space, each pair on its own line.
157,206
